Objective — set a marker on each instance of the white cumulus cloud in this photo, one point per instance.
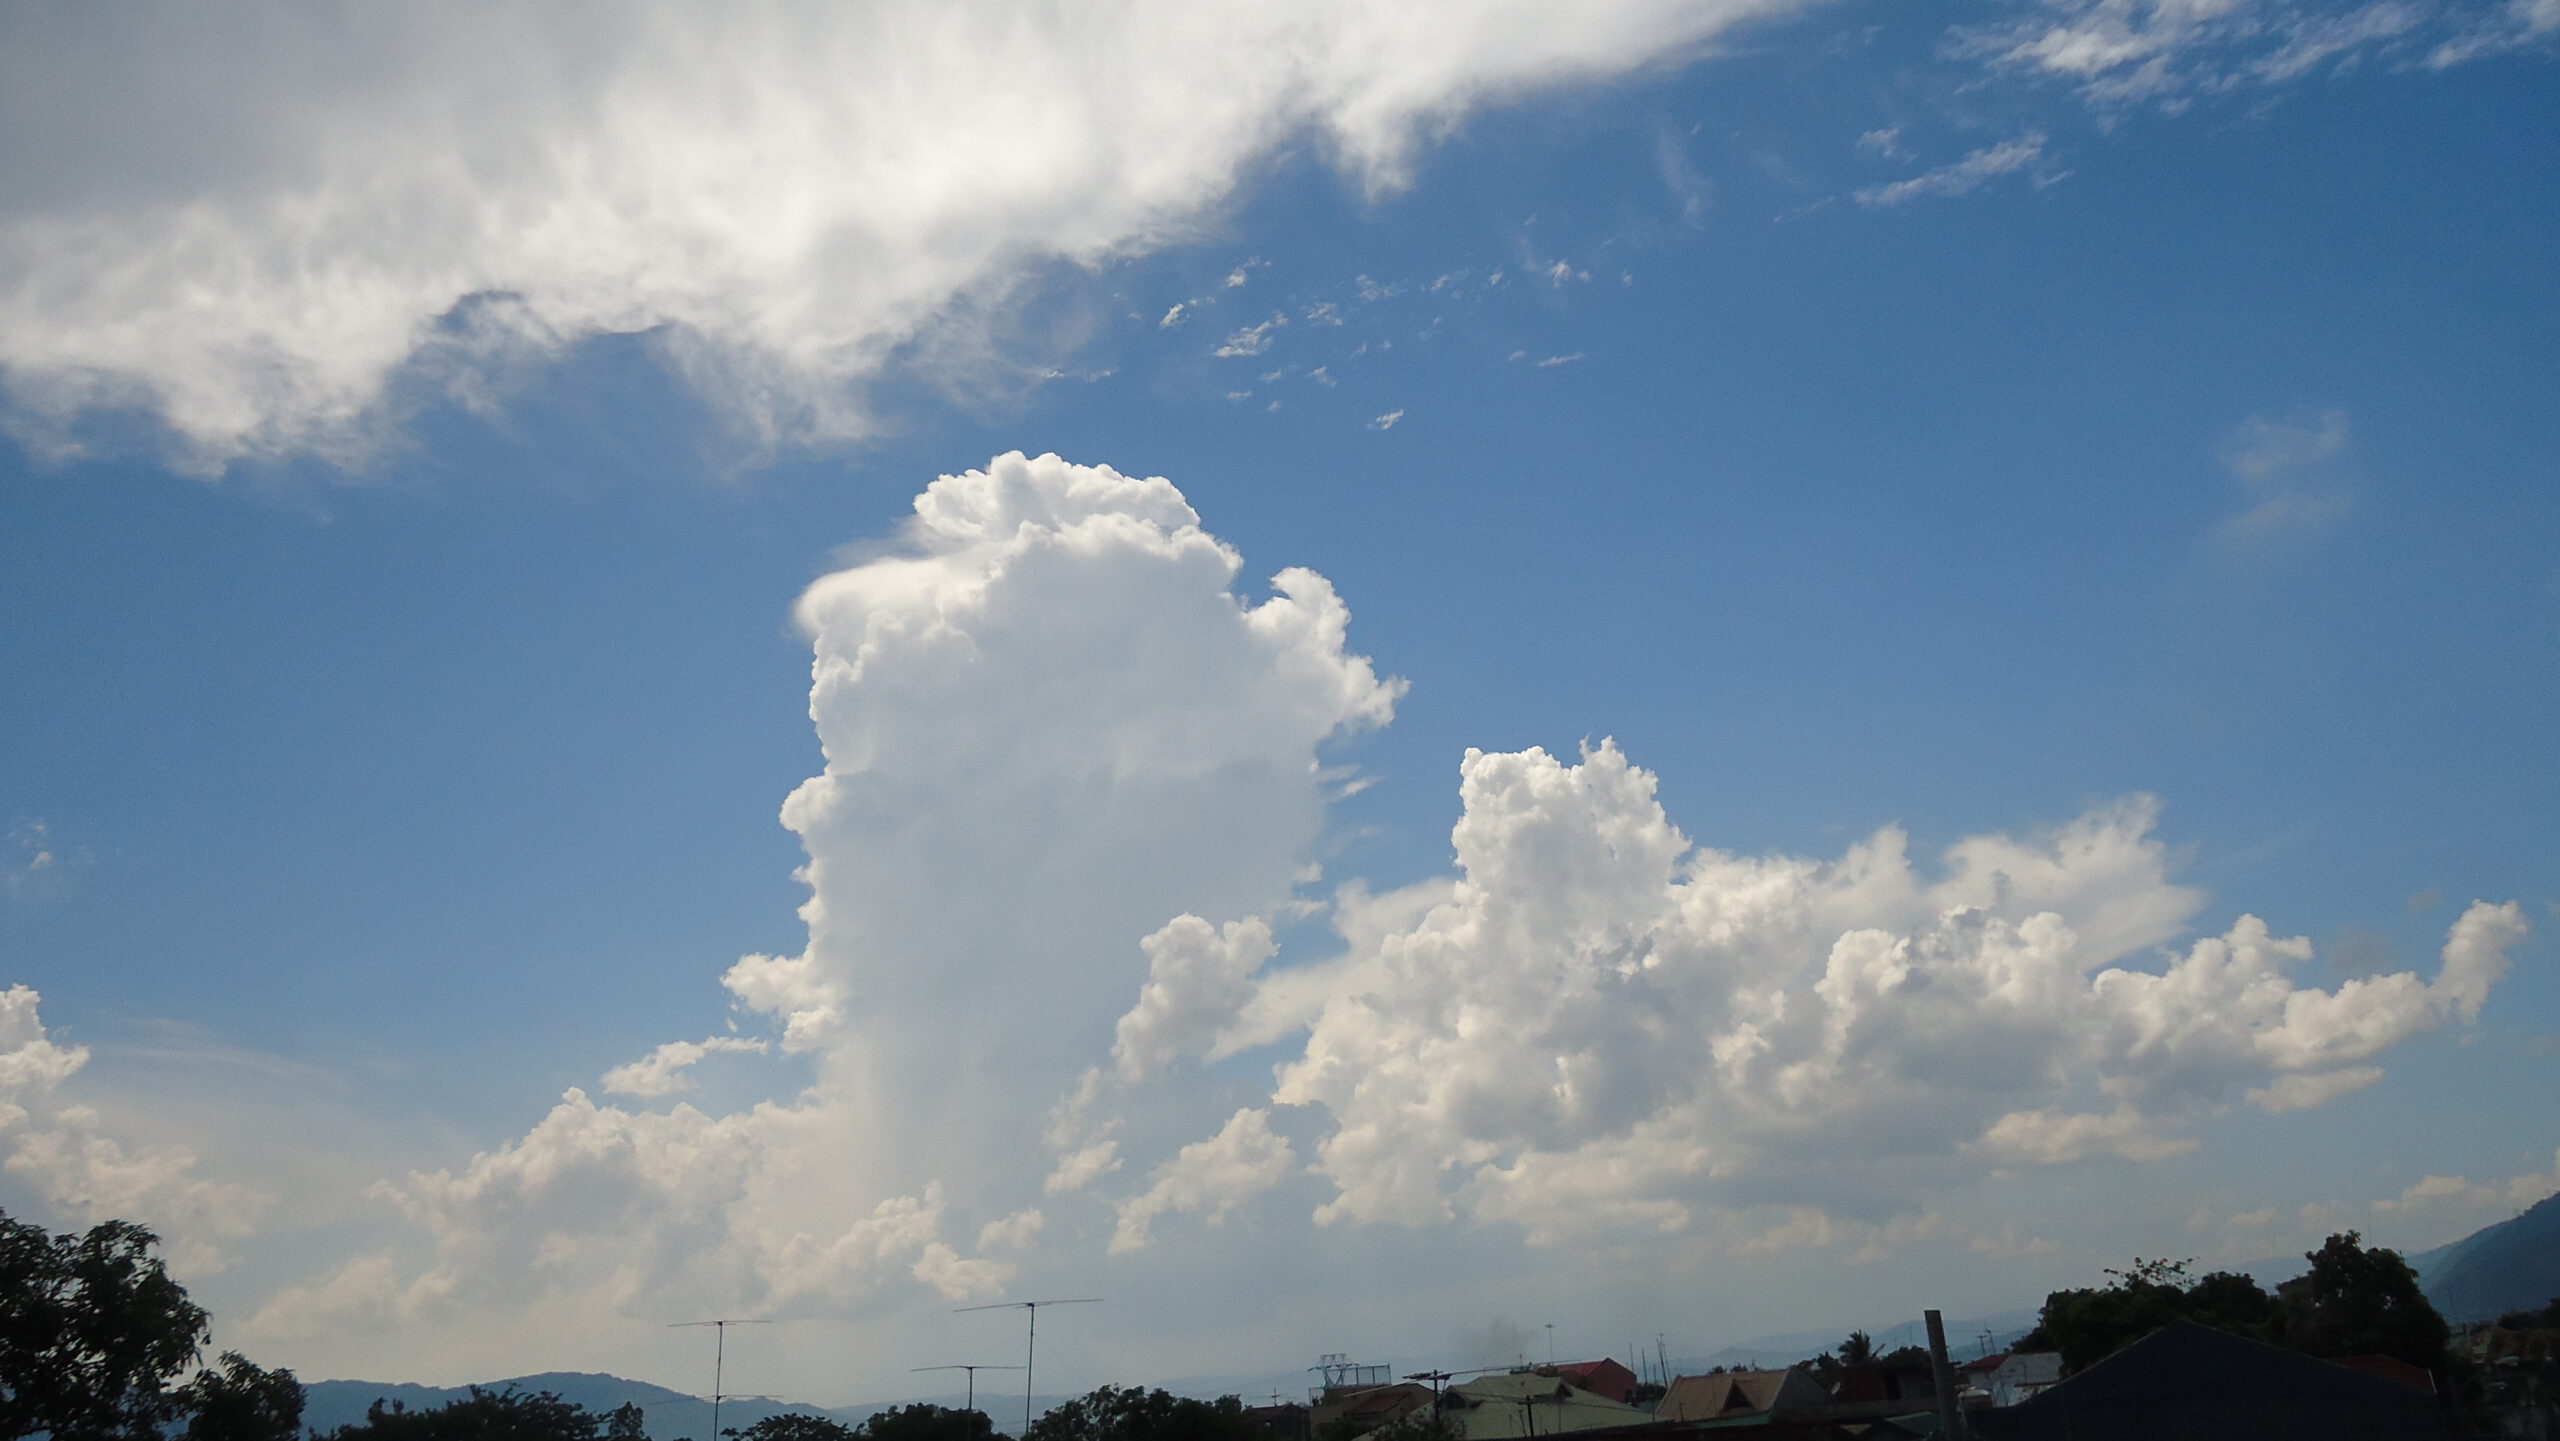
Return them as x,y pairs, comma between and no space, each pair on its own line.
89,1176
1199,980
1602,1023
1210,1178
668,1069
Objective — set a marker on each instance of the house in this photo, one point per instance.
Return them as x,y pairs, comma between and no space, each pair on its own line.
1867,1382
1284,1421
2010,1377
1528,1403
2193,1383
1603,1377
1738,1395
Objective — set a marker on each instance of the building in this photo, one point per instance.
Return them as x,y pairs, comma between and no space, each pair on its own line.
2186,1382
1532,1403
1738,1395
1603,1377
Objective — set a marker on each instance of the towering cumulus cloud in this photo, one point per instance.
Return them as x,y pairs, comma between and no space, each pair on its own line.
251,225
1050,723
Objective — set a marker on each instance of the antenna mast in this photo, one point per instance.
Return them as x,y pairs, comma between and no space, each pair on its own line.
973,1375
719,1357
1031,1345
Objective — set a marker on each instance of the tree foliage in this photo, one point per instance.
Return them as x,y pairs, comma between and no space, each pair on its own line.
238,1401
928,1423
1422,1423
2358,1300
1131,1413
796,1426
508,1415
92,1330
2091,1324
2548,1318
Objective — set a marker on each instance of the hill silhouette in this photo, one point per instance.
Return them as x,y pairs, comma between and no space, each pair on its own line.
2511,1266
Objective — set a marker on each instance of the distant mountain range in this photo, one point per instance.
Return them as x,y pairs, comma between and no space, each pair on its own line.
2511,1266
671,1414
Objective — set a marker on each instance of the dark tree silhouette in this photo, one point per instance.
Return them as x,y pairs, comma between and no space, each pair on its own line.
92,1330
2547,1318
627,1422
797,1426
1422,1423
2089,1325
1130,1413
929,1423
236,1401
1858,1349
508,1415
2359,1300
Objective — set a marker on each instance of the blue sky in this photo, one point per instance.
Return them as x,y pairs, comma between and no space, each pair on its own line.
1970,424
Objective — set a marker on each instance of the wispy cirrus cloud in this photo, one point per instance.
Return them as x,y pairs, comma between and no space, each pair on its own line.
2292,473
1960,178
2118,53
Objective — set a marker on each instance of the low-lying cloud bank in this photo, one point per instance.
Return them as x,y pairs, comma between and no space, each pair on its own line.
83,1172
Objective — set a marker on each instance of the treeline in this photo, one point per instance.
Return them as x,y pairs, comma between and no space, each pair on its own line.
99,1343
1112,1413
512,1415
2355,1300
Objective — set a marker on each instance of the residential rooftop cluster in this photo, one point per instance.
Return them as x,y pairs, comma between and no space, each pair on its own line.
2184,1380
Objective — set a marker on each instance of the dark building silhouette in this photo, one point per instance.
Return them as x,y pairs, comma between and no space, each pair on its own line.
2186,1382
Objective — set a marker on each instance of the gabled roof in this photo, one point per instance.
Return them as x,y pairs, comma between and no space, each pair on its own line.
1387,1400
1511,1385
1737,1393
2391,1368
1527,1404
1604,1377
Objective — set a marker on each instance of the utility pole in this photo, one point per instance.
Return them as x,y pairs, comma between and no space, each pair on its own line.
1942,1379
719,1357
1551,1343
973,1376
1030,1346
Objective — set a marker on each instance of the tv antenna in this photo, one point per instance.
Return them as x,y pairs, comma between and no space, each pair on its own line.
973,1376
1031,1343
719,1357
